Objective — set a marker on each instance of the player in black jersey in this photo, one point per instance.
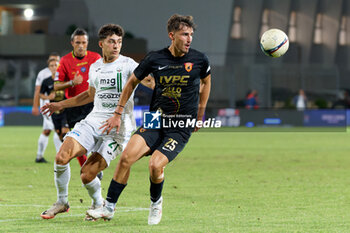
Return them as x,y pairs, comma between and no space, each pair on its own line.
47,92
182,87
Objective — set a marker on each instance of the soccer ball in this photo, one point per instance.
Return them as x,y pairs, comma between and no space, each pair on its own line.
274,43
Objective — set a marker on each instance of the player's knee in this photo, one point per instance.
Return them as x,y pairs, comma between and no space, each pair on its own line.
62,158
126,159
155,167
47,132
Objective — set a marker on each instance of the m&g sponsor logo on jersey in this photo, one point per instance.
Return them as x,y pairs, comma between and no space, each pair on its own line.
112,83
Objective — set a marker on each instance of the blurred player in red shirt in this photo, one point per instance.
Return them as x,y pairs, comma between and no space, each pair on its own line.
73,74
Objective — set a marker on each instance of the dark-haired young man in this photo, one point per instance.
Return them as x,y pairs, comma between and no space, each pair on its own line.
179,73
107,78
72,74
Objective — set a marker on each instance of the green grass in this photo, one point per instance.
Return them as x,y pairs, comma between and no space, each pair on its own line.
221,182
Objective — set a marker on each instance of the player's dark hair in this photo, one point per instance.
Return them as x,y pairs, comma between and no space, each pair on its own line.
176,22
109,30
54,54
79,32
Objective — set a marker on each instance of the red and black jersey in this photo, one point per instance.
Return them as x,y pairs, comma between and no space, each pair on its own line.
177,80
70,65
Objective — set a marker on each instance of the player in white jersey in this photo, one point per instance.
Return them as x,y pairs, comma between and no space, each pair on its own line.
106,79
47,121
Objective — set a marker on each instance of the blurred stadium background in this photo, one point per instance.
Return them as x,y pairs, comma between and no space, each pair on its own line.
228,32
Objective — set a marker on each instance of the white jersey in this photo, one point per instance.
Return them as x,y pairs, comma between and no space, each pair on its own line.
42,75
108,79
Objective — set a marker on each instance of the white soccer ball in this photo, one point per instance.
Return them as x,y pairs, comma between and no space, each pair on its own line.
274,42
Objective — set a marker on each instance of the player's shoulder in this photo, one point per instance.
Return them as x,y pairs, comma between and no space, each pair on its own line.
67,56
196,53
44,72
155,55
95,65
125,59
93,55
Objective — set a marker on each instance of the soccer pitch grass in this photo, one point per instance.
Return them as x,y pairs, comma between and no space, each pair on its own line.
221,182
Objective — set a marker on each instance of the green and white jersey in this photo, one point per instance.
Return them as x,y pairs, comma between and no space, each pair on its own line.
108,79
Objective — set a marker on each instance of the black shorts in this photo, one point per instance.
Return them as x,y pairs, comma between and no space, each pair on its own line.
169,142
60,120
76,114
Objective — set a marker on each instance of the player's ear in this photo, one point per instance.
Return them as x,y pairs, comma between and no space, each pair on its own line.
171,35
100,43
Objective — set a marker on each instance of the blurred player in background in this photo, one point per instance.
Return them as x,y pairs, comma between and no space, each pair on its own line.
47,121
106,80
179,73
72,74
59,118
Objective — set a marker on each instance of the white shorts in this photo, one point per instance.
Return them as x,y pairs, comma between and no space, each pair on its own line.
48,123
90,137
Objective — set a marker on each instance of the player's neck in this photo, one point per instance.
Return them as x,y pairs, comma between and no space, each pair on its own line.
175,52
110,59
78,57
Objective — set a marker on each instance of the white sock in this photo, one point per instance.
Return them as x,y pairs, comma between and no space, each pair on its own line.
110,205
62,177
57,141
42,144
94,190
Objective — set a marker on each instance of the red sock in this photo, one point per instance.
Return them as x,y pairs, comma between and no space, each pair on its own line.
81,160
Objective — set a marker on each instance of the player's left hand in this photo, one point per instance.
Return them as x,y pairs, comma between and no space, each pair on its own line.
199,118
110,123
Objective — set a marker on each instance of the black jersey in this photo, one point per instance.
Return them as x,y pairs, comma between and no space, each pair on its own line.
177,80
47,87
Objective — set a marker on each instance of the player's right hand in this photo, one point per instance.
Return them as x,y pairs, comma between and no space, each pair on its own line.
50,108
35,111
110,123
78,78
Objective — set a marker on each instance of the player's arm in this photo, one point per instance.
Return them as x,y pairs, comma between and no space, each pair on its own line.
203,96
114,121
79,100
148,82
78,79
47,97
35,108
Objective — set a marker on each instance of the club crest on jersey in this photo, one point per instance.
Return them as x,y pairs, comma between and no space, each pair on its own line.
188,66
83,69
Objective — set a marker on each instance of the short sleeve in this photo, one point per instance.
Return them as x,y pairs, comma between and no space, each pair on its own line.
61,71
91,77
205,71
144,68
132,66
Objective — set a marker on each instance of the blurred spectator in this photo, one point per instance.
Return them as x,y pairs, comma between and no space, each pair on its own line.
251,100
343,100
300,100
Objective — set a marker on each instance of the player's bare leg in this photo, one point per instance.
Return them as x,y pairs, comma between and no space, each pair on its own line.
157,164
69,149
135,150
94,165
